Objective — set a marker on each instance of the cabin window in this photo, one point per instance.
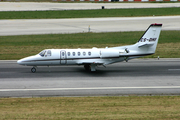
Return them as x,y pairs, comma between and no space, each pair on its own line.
49,53
79,53
84,53
62,53
69,53
89,53
74,53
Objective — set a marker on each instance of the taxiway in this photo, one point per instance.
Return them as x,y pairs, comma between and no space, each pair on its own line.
42,6
80,25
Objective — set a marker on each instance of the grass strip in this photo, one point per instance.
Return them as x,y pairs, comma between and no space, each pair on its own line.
89,13
99,108
16,47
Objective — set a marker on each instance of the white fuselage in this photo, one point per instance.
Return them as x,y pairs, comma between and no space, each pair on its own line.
73,57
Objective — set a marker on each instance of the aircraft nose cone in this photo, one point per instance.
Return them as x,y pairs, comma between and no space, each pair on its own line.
19,62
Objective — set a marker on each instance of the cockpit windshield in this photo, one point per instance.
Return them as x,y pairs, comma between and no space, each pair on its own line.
42,53
45,53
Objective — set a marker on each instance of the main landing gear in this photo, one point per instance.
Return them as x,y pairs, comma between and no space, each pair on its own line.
87,67
90,67
33,70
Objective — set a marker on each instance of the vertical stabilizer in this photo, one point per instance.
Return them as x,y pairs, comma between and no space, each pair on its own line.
149,39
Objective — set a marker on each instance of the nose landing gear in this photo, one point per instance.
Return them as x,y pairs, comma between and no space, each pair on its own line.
33,70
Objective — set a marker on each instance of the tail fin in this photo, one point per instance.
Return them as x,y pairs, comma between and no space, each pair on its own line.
148,41
145,46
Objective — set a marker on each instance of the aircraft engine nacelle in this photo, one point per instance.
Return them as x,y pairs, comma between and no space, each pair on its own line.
107,53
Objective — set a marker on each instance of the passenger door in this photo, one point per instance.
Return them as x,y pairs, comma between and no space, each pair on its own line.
63,57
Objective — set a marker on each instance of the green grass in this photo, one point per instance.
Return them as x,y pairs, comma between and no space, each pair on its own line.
16,47
89,13
98,108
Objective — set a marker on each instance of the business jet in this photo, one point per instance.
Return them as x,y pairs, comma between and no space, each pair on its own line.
91,58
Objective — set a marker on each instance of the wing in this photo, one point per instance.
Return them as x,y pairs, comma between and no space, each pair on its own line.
90,62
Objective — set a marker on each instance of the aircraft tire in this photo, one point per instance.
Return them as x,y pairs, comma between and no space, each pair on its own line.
33,70
87,67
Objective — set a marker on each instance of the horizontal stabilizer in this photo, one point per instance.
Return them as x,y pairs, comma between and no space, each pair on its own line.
148,44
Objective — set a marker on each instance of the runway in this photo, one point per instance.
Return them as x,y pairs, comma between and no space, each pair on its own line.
136,77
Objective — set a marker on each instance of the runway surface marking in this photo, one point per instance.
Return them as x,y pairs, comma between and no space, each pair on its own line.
174,69
91,88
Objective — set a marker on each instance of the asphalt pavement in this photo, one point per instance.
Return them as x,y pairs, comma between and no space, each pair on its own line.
136,77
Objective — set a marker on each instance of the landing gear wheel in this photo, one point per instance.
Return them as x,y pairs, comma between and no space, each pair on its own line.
126,59
90,67
33,70
87,67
